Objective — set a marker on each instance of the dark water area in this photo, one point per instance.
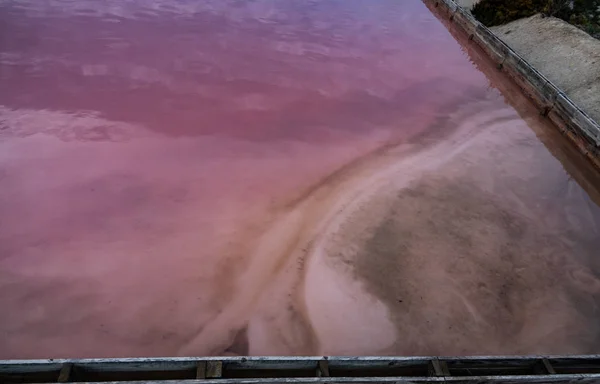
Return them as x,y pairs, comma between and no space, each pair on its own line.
280,178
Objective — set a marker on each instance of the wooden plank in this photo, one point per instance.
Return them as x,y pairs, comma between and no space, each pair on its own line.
65,373
438,368
281,363
214,369
555,379
548,367
341,363
499,369
323,368
201,370
192,361
575,365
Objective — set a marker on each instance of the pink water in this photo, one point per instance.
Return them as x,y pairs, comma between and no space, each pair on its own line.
279,177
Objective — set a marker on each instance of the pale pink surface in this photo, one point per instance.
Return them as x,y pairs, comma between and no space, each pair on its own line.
145,147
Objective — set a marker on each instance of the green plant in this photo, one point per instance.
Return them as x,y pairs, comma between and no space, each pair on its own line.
588,8
496,12
585,14
558,8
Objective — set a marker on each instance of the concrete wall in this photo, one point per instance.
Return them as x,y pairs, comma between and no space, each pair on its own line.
467,4
563,53
552,102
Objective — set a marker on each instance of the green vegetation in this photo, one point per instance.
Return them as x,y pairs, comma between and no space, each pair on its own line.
496,12
583,13
586,15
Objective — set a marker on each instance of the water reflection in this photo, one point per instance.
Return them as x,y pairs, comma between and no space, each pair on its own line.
191,178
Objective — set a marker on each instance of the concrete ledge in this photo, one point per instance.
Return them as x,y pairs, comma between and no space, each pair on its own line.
571,120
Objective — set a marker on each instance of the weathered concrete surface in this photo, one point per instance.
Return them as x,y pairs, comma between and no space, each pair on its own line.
566,55
467,4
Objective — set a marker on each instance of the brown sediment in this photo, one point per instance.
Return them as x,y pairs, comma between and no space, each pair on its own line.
289,237
461,272
488,277
464,272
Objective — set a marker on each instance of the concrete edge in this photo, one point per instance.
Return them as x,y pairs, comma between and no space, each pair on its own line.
552,102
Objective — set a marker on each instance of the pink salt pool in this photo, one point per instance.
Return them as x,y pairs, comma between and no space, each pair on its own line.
279,177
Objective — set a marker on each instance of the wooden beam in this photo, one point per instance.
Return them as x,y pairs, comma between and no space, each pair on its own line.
548,366
65,373
438,368
214,369
201,370
323,368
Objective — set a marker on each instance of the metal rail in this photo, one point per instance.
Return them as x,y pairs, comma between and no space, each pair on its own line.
322,369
